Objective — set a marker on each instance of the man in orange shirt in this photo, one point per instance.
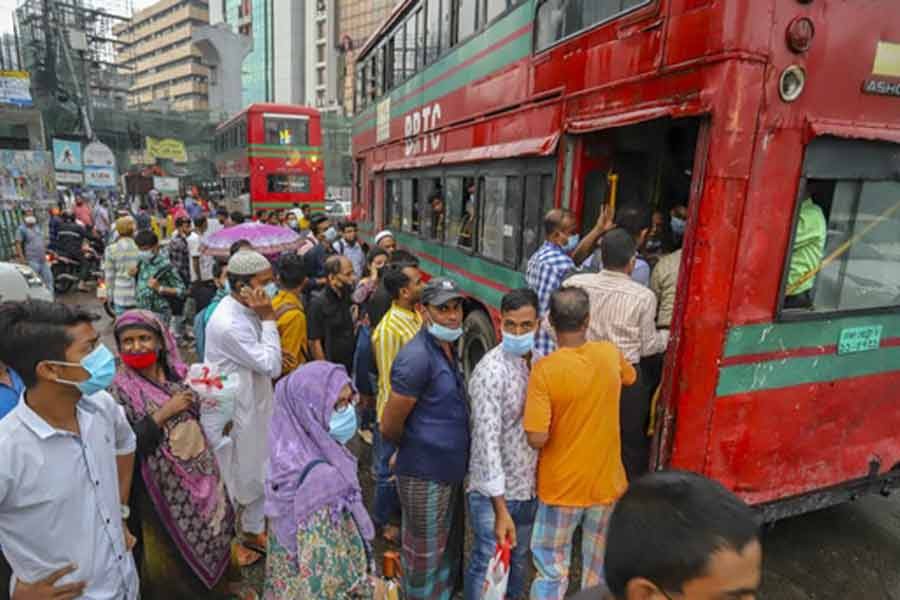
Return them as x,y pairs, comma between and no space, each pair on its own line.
572,417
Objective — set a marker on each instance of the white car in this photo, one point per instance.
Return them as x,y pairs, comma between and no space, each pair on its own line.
19,282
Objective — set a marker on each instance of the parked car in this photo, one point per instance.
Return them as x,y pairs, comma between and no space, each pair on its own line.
20,282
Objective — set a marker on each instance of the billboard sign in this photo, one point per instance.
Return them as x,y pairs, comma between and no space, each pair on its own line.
66,155
15,88
166,185
100,177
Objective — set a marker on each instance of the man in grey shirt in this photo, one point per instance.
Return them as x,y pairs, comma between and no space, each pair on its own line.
31,248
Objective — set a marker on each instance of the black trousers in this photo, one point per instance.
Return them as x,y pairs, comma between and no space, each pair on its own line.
634,416
202,292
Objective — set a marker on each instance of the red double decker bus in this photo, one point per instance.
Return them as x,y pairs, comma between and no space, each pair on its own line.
751,115
270,156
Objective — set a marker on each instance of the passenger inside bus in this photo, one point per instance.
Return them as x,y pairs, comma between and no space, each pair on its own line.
469,216
808,247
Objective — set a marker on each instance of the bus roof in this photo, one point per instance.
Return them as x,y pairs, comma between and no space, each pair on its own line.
386,26
271,107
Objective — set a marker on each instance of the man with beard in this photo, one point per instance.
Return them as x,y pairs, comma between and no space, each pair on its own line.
331,330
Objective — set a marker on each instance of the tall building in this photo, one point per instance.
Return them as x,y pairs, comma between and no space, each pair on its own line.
358,19
322,66
167,66
9,54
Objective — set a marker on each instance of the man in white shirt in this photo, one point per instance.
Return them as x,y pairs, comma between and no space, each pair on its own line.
242,338
502,466
66,460
203,288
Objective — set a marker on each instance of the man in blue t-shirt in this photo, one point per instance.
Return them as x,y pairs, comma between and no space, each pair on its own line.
11,388
427,416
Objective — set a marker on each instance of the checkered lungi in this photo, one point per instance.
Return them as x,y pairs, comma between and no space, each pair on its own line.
433,536
551,548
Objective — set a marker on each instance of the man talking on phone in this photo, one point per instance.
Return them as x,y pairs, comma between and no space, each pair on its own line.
242,338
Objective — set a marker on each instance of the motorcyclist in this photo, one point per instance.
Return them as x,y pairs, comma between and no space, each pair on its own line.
71,243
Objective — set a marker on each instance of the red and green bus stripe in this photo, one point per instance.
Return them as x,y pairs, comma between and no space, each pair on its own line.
472,61
777,355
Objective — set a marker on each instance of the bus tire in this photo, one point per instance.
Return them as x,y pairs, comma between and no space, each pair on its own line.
478,338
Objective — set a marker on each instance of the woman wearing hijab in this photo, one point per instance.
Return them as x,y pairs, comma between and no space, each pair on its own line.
179,508
319,528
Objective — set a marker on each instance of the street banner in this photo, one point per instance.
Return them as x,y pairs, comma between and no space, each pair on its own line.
98,154
166,185
66,155
15,88
27,175
100,177
166,149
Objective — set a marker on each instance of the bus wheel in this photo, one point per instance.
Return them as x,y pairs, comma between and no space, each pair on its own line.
477,340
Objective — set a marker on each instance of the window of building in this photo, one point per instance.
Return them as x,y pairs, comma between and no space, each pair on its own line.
320,76
558,19
846,243
433,32
466,18
501,218
320,30
447,37
292,184
286,131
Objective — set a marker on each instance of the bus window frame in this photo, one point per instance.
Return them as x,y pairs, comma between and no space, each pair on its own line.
649,9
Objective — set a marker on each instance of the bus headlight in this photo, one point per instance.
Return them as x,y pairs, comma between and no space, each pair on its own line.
791,83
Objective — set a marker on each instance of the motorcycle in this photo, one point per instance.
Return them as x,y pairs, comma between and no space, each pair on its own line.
66,270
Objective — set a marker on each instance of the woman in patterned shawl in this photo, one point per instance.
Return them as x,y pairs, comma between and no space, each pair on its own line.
180,511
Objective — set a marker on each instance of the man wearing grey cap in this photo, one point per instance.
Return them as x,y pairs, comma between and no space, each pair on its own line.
427,416
242,339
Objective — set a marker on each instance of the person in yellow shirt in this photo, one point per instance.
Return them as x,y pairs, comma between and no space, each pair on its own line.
399,325
574,423
289,313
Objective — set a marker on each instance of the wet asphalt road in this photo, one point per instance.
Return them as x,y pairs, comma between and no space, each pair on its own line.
848,552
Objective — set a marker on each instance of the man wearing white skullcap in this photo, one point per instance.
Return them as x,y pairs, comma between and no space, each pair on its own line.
242,339
385,240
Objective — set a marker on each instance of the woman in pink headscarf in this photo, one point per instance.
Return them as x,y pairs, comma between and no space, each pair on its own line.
179,508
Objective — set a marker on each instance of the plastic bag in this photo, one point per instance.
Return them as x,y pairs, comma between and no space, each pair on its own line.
217,393
497,577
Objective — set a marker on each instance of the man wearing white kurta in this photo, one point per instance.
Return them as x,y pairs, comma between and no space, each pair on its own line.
242,339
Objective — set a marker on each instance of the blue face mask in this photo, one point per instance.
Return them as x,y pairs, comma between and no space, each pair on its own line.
445,334
571,243
271,290
100,365
331,234
678,226
342,426
519,345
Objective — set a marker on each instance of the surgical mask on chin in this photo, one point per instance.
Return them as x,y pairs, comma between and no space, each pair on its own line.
342,425
30,221
571,243
271,289
145,255
331,234
445,334
518,345
100,365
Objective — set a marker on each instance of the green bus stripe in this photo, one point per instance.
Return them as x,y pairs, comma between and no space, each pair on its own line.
257,154
508,25
287,204
798,371
285,148
775,337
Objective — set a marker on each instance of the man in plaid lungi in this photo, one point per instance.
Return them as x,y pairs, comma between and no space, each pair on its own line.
427,416
574,421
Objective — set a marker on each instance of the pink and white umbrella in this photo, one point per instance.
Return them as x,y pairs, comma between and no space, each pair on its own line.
270,240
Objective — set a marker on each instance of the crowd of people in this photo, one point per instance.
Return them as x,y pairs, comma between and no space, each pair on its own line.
117,479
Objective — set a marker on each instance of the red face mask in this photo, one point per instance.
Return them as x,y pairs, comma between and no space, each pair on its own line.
140,361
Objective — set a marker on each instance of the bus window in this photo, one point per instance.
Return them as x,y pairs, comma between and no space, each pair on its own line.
493,9
846,243
466,19
447,24
286,131
433,32
293,184
393,205
501,218
400,55
454,207
378,65
410,47
433,208
388,59
410,211
469,220
421,39
558,19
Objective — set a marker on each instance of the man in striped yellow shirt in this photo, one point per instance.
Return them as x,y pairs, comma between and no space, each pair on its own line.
399,325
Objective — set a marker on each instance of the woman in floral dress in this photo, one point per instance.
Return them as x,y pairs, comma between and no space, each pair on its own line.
319,529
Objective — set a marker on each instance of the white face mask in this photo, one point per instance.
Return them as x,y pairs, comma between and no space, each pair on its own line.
30,221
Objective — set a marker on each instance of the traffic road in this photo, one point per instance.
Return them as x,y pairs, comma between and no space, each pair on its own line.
846,552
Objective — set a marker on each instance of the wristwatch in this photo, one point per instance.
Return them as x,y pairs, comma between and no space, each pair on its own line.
126,511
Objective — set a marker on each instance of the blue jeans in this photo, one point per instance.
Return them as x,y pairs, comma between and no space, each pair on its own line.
387,503
42,269
481,516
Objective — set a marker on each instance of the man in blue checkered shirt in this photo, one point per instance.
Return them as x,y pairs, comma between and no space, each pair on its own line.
563,248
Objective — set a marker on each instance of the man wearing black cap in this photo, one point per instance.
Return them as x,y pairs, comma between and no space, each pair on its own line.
427,416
